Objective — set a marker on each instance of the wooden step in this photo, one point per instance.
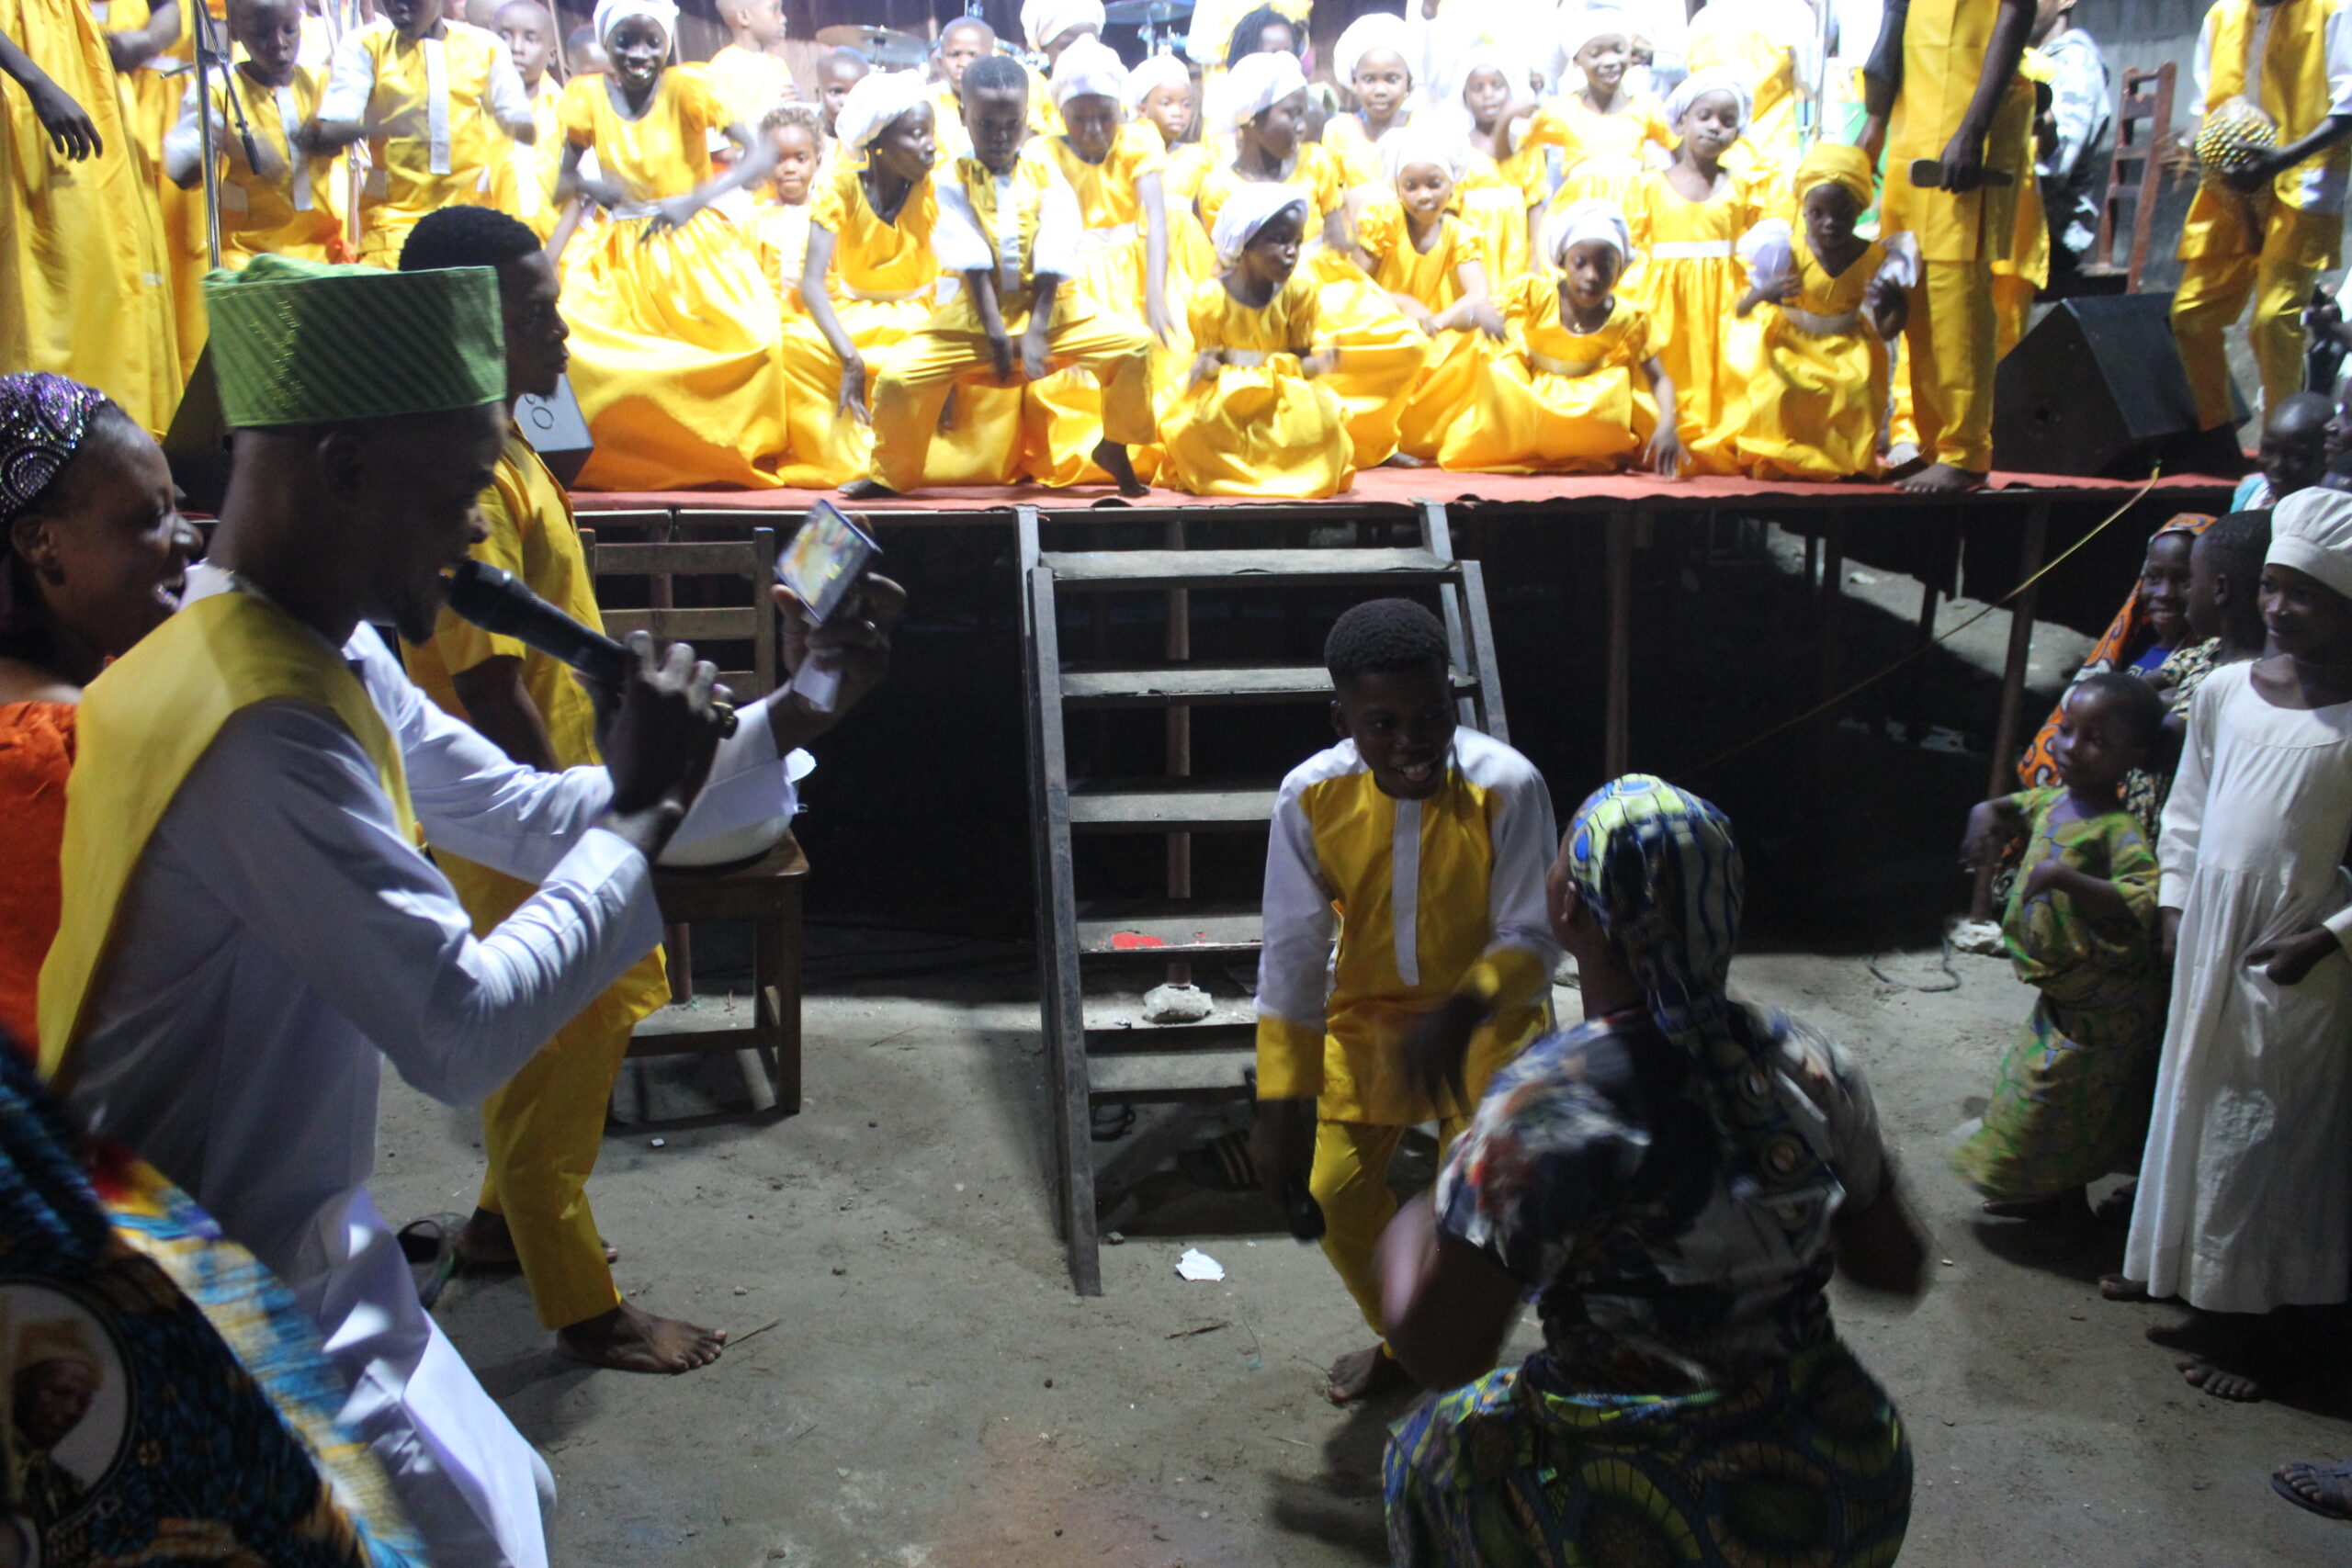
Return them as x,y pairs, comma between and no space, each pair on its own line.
1208,685
1175,1062
1176,932
1244,569
1168,805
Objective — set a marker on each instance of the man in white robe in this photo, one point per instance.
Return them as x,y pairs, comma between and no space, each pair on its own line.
280,935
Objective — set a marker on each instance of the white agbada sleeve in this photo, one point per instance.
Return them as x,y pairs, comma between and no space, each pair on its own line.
1295,963
351,81
1525,840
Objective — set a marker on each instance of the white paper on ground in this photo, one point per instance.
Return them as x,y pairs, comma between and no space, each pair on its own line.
1198,1265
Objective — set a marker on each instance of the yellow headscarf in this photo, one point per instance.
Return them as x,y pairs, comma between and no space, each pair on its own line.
58,1339
1834,164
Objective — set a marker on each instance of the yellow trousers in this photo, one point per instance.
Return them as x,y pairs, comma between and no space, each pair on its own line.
2213,288
913,382
2012,312
1951,336
1350,1178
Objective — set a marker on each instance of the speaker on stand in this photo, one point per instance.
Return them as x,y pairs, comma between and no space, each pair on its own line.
2097,388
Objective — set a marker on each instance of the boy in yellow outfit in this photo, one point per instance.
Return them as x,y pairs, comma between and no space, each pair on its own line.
277,197
2303,82
541,1132
1423,847
523,187
1943,88
1010,226
751,78
433,97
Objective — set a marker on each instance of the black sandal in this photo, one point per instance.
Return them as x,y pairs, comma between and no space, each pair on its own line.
2279,1484
430,1245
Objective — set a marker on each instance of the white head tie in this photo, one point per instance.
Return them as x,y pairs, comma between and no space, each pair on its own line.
1590,219
2310,531
1251,206
611,13
1159,71
1693,87
1257,82
1089,67
1373,30
874,102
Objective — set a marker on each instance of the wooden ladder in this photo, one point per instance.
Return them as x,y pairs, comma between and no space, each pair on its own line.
1091,1060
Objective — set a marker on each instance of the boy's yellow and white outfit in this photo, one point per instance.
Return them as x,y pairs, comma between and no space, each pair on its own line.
298,213
2294,59
541,1132
751,83
1951,333
523,185
450,95
1020,225
1426,898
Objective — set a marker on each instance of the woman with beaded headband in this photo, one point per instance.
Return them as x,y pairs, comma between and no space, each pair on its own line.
93,549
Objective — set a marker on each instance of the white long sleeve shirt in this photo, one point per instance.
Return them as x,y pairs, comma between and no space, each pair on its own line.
281,938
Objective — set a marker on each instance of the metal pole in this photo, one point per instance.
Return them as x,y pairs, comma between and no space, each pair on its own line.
203,131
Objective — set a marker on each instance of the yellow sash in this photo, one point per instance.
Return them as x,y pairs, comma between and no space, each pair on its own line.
144,724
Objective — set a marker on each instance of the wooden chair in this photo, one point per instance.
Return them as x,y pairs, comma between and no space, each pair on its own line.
767,891
2142,132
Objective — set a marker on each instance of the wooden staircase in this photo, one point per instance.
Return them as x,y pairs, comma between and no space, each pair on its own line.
1094,1057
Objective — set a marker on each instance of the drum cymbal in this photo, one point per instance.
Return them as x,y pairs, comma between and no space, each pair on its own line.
1145,13
884,46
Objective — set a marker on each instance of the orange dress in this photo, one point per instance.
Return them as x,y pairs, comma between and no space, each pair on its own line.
35,754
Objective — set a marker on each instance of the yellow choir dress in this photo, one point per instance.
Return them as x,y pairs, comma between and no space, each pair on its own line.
1064,412
884,285
1558,401
1190,255
1345,137
1600,153
1495,199
153,93
83,286
750,83
1381,353
677,351
521,185
1817,397
783,235
1258,426
1689,281
292,215
442,86
1449,385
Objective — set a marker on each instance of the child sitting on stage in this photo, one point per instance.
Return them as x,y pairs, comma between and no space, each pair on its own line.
2070,1102
1580,390
1433,268
1115,170
1684,221
1817,396
1381,353
1010,228
676,332
1253,418
523,187
1420,846
275,195
780,220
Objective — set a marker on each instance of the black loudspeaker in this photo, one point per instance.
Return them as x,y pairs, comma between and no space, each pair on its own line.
2097,388
556,431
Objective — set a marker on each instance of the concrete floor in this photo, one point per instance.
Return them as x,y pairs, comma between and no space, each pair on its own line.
933,1393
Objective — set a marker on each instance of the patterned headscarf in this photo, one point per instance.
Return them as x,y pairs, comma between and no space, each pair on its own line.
1659,869
43,418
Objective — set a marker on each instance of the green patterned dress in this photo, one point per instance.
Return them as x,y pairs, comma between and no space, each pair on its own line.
2070,1102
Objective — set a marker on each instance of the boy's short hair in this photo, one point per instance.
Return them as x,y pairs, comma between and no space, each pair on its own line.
805,116
2238,541
995,74
2138,707
465,236
1382,637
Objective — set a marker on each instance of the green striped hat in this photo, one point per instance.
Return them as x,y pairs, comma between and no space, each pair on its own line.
304,343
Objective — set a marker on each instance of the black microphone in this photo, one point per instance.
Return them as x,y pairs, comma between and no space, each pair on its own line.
496,600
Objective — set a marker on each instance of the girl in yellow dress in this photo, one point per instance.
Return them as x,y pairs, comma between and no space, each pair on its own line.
780,219
1685,223
1829,309
1504,187
1255,416
1369,61
1161,95
1433,265
677,335
1380,352
1115,170
1767,45
1607,133
1580,390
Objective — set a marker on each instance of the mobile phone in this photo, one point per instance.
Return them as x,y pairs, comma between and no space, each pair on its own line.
821,562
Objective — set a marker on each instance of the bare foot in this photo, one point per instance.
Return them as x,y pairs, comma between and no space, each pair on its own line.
1403,460
630,1339
2207,1378
1367,1375
486,1246
867,490
1941,479
2116,1288
1113,461
2317,1488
